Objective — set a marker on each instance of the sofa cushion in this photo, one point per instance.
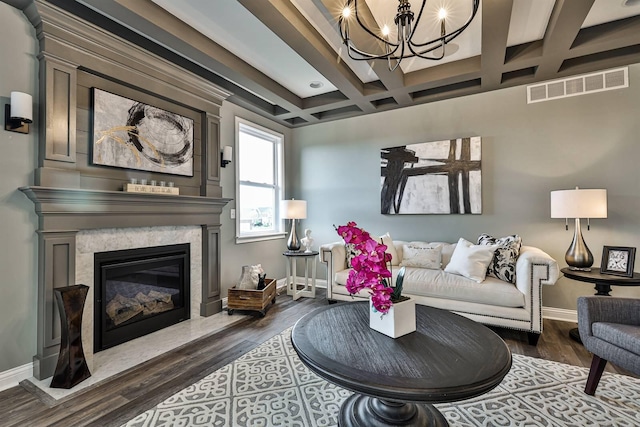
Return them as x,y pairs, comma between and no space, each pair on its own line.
503,264
439,284
391,249
423,255
470,261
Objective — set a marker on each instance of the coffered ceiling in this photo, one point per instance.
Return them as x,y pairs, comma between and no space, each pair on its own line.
269,53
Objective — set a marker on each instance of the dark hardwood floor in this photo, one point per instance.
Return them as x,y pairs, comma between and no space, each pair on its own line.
119,400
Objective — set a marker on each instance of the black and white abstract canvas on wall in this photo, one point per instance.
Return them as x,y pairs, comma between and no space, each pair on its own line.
133,135
439,177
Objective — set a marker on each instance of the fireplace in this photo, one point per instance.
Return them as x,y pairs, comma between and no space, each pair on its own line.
139,291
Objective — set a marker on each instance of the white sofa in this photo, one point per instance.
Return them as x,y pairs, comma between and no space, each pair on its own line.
491,302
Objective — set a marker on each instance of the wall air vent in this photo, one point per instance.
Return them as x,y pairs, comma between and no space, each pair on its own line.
578,85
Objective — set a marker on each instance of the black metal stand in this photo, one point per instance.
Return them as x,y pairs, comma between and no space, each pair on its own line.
72,367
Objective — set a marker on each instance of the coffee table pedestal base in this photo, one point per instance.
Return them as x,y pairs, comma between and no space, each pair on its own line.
365,411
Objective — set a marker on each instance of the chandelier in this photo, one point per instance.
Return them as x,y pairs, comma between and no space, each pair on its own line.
403,46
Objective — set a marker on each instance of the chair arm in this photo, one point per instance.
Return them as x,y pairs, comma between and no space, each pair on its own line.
592,309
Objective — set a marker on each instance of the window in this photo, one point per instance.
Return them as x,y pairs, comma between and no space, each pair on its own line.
260,182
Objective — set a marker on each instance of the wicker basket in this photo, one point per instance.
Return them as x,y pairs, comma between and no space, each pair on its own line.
252,299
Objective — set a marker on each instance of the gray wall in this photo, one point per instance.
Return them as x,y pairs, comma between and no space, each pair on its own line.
18,221
527,150
268,253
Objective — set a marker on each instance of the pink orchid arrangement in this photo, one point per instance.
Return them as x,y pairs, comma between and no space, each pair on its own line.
369,267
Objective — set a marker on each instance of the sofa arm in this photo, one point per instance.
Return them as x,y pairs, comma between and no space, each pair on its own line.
594,309
335,256
535,268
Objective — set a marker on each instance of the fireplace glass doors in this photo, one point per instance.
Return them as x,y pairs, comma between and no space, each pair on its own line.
139,291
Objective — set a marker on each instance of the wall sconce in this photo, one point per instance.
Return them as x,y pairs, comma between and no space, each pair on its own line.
19,113
226,155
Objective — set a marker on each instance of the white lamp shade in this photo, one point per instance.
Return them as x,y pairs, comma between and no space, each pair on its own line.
579,203
293,209
22,107
227,153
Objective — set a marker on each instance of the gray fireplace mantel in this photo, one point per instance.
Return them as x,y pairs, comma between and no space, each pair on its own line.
68,209
63,212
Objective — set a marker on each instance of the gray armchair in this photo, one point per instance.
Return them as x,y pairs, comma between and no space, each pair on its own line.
610,329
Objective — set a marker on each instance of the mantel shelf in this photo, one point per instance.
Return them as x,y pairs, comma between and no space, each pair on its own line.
65,209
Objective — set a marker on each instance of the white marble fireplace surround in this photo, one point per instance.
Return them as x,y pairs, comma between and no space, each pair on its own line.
89,242
111,362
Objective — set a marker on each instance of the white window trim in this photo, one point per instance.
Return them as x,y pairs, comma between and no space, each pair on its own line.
272,235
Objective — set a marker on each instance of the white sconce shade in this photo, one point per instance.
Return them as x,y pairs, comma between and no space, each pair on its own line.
579,203
226,155
293,209
21,107
19,113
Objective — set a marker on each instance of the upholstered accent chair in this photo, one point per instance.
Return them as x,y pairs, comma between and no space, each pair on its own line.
610,329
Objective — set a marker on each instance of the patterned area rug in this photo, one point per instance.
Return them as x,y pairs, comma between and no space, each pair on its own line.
269,386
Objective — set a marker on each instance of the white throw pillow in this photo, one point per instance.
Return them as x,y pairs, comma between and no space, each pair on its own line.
391,249
470,261
422,256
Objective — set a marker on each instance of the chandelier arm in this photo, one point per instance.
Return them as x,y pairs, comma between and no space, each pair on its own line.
416,22
364,27
365,56
422,54
453,34
430,46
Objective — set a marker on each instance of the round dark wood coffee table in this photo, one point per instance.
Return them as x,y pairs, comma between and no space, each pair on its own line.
396,381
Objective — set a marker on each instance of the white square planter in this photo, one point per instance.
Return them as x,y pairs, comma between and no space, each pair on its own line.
399,321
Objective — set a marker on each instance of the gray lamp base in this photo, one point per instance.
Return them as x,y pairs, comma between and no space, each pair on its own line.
293,243
578,256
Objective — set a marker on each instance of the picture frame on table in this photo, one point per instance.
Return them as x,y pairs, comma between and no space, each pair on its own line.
618,260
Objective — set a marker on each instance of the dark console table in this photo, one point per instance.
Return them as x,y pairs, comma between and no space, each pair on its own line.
602,282
396,381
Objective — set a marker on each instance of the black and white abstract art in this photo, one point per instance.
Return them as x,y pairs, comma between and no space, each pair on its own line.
133,135
439,177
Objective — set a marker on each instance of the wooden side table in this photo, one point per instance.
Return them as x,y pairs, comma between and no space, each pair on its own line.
603,283
308,288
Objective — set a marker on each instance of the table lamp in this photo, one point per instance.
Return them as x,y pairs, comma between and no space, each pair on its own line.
293,210
579,203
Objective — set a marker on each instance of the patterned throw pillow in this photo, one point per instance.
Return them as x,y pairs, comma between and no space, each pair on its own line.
386,239
422,256
503,265
352,252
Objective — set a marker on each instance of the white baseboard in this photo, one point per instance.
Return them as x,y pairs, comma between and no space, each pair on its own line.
12,377
560,314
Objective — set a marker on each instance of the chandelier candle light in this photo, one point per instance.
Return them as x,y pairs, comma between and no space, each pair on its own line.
579,203
402,44
293,210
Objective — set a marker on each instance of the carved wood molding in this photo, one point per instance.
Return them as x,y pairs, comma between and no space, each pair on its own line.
65,209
